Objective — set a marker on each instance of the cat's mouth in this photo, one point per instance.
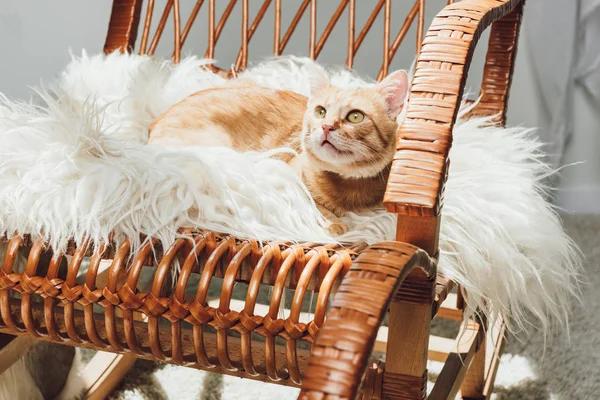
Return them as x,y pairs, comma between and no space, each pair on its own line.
328,145
332,149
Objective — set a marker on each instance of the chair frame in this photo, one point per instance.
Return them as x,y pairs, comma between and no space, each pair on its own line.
399,276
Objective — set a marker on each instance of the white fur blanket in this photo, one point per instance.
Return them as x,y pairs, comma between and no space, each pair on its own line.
77,164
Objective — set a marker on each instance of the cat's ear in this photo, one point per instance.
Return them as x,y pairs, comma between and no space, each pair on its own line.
317,80
393,89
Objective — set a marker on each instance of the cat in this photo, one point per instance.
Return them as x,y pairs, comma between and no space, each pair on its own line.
345,138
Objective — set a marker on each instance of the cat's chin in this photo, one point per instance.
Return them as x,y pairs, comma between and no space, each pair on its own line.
328,146
357,174
327,153
362,173
331,152
344,166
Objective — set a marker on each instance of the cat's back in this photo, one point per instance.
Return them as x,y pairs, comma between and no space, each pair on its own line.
248,117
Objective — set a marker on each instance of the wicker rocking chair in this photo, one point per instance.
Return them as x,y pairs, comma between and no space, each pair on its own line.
328,355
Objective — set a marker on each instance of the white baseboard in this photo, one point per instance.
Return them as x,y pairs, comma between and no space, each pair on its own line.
579,200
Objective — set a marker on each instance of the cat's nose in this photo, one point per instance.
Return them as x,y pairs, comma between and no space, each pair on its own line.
327,129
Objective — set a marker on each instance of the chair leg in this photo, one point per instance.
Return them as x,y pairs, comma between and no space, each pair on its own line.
405,375
103,373
474,381
479,379
12,348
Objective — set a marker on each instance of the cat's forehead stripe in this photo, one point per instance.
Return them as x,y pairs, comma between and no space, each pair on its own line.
340,100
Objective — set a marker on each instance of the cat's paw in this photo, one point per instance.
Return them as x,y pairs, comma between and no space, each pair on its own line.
336,228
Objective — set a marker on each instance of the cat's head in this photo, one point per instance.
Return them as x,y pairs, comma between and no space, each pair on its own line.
352,132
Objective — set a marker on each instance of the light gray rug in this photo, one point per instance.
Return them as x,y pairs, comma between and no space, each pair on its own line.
567,367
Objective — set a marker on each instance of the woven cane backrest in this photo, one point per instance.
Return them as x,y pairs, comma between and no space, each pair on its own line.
302,27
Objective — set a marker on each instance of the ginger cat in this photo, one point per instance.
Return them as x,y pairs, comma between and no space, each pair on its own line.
345,137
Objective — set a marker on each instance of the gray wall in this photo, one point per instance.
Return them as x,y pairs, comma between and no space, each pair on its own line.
35,38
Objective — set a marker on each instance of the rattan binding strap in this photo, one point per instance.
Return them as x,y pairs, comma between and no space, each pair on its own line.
338,357
420,166
69,312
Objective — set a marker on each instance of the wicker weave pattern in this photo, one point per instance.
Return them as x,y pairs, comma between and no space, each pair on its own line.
301,267
420,166
338,357
499,66
126,16
46,300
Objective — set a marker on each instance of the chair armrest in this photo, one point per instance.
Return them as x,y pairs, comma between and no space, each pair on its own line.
345,341
419,169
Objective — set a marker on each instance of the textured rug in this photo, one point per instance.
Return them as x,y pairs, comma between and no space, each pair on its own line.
565,367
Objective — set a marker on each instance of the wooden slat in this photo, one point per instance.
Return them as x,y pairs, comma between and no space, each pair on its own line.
104,372
495,344
449,310
474,380
12,348
440,348
455,368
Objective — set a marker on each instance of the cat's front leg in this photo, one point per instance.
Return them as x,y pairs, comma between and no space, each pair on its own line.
335,226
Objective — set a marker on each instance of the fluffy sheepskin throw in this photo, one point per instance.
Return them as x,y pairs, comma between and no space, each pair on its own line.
76,163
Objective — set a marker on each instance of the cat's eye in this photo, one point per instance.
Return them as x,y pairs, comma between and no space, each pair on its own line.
355,116
320,112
